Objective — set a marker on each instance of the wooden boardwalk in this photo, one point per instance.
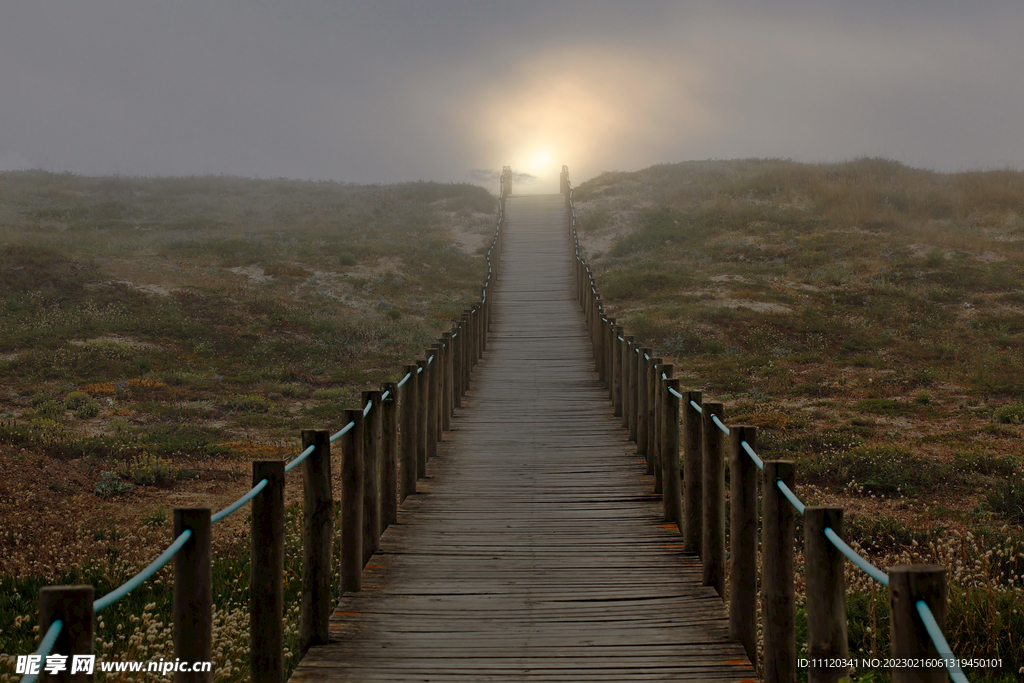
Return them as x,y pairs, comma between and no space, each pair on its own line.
535,548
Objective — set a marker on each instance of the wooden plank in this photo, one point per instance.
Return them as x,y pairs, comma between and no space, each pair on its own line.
534,547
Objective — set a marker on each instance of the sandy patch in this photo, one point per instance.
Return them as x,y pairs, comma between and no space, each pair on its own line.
254,273
115,339
762,306
158,290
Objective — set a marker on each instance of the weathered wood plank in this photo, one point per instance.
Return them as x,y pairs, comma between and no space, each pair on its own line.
534,548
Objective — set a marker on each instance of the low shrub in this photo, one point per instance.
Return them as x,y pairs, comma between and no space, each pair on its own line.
1007,500
110,484
247,403
146,469
1009,414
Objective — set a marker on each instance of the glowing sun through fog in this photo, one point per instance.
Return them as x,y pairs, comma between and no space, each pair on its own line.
590,109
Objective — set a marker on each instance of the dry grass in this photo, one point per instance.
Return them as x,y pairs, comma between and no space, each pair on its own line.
868,317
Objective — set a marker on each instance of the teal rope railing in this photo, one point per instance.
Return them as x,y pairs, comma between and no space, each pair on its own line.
934,632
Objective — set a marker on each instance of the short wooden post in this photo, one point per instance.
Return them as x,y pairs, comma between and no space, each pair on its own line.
909,583
410,440
389,457
317,540
651,387
266,583
352,504
372,437
446,383
778,599
743,539
422,420
693,471
433,401
72,605
826,596
626,366
595,333
672,500
617,354
643,415
193,591
712,536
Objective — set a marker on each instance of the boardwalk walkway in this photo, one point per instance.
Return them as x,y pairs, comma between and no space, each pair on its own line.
535,550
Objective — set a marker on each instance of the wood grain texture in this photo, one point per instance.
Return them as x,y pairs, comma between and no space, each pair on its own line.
534,549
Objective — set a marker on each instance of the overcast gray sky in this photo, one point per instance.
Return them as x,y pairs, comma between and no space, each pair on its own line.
384,91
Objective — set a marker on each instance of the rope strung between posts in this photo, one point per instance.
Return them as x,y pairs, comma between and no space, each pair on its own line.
934,632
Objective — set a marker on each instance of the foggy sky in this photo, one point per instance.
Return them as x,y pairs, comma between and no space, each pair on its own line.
385,91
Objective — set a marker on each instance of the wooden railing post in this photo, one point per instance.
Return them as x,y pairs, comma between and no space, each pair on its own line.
633,383
610,347
595,333
778,591
826,596
743,539
433,401
352,504
627,372
266,583
660,394
466,334
447,407
193,591
389,457
712,537
457,353
422,379
643,410
617,355
372,433
317,540
693,471
672,500
73,606
909,583
653,439
410,438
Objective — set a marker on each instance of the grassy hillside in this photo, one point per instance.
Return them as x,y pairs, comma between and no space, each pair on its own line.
868,317
157,334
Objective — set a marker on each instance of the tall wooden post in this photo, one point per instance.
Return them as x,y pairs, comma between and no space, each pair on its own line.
693,471
410,438
611,345
713,533
651,387
660,395
909,583
778,529
423,419
448,404
389,457
743,539
643,413
627,365
672,498
372,432
72,605
457,391
466,334
826,597
266,583
317,540
617,354
193,591
352,504
434,401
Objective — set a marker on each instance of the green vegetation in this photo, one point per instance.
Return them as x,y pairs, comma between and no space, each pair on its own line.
156,333
868,317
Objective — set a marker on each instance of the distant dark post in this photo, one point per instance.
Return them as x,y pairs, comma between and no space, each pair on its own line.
672,498
422,420
372,433
617,354
389,457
